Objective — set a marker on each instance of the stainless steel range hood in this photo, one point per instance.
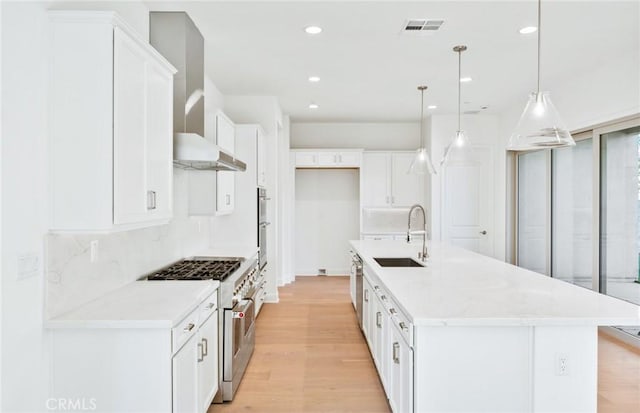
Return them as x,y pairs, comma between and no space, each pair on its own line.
178,39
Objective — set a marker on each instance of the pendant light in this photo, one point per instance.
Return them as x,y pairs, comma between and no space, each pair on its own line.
540,125
421,164
460,139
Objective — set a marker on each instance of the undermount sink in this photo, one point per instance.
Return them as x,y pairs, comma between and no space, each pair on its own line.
398,262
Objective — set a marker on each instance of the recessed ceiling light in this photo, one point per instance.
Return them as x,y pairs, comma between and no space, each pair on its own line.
314,79
313,29
432,107
528,30
465,79
313,106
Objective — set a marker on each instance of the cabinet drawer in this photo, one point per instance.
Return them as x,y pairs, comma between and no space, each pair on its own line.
208,306
184,331
401,322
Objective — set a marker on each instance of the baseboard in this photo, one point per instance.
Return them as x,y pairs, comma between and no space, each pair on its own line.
314,272
621,336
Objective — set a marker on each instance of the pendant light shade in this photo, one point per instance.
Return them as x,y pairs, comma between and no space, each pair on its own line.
421,164
460,139
540,125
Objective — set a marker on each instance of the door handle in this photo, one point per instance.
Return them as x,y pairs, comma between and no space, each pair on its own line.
483,232
378,319
200,353
228,199
205,350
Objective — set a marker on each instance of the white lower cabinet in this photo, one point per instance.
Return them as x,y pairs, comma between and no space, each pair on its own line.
208,362
140,369
401,372
185,378
389,336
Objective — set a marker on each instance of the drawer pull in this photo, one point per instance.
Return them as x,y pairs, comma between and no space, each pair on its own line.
403,326
396,351
210,306
189,327
366,295
379,319
393,311
205,344
200,353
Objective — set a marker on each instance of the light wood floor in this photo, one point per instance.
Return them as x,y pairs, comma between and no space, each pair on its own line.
311,357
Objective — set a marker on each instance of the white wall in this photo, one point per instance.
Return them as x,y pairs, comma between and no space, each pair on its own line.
327,212
371,135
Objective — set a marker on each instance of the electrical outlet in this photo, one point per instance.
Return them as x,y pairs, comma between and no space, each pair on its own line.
562,365
94,250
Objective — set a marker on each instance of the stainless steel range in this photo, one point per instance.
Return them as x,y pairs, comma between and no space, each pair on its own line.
239,285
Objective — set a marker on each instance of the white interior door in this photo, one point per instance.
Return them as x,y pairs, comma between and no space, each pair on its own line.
468,191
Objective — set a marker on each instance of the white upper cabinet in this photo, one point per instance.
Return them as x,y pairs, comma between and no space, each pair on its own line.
386,181
111,145
225,133
341,158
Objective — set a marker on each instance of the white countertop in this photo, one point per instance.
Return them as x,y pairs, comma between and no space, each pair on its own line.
460,287
140,304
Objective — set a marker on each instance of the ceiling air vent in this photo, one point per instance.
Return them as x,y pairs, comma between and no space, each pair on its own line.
421,26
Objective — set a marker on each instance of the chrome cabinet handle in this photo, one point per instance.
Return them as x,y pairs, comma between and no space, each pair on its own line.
396,351
210,306
151,200
383,297
403,326
189,327
205,351
366,295
228,199
379,319
483,232
200,353
392,311
376,288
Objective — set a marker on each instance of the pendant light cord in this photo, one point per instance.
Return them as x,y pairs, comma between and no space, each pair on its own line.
459,77
539,30
421,118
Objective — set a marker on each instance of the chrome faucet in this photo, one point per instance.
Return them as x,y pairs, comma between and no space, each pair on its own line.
424,254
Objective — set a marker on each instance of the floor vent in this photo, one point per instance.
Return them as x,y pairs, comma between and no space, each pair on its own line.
421,26
322,271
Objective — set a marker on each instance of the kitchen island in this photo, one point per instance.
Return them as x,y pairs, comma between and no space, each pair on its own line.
468,333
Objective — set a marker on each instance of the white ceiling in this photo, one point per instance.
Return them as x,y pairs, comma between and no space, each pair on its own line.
369,72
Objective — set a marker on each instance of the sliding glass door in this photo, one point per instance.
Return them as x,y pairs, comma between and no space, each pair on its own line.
620,214
578,211
572,213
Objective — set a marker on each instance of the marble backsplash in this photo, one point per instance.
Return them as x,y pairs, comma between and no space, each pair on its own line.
123,257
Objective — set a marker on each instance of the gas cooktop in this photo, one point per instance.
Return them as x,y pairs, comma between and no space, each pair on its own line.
198,268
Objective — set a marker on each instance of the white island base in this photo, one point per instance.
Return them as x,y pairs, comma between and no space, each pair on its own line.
471,334
505,369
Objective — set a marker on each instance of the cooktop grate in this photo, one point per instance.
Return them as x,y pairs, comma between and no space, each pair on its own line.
197,270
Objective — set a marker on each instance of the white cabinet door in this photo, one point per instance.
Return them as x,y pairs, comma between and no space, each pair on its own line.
367,294
225,133
225,191
306,159
407,189
129,146
208,362
401,374
327,159
159,143
348,159
375,180
185,378
262,159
